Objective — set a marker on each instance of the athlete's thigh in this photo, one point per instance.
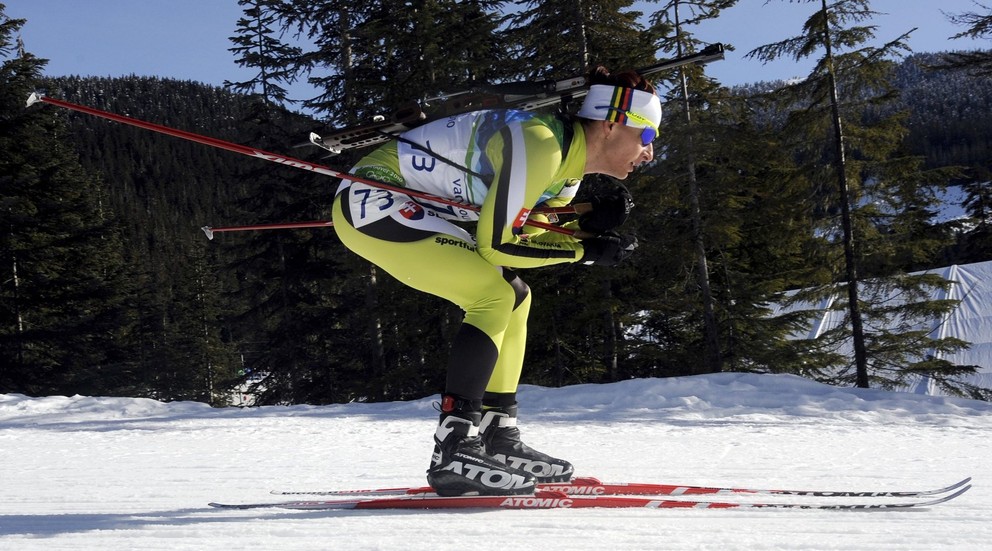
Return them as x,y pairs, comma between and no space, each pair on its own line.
416,247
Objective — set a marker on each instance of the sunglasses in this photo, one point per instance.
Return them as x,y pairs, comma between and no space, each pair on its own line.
648,134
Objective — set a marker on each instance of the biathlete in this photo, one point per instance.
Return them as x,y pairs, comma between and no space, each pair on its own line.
506,163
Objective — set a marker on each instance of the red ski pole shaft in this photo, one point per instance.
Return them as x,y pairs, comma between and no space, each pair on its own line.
280,159
210,231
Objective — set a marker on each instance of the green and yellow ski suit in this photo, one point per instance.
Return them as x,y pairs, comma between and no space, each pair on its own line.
504,162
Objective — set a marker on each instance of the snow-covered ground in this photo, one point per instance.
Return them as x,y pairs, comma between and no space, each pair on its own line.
114,473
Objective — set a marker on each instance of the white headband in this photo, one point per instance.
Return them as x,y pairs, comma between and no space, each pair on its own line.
611,103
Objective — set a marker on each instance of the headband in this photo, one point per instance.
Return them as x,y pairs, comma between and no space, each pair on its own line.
605,102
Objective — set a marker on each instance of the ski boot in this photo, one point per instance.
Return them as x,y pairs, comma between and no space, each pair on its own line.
502,441
460,464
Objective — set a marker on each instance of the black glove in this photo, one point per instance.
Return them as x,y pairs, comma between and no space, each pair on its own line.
608,211
608,249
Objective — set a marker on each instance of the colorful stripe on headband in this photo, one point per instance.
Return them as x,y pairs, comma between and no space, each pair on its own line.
620,103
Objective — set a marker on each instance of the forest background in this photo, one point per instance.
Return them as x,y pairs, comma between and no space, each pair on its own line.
108,286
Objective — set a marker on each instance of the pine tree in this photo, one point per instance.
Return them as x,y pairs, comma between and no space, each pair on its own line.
579,314
61,314
162,199
976,243
329,65
977,63
375,58
258,46
370,57
875,203
681,42
563,38
283,323
719,191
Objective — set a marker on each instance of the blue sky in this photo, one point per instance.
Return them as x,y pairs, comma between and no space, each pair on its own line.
189,39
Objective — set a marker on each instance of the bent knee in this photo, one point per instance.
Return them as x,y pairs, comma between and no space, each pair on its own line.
521,291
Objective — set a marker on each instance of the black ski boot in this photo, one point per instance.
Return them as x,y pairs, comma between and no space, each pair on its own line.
502,440
461,466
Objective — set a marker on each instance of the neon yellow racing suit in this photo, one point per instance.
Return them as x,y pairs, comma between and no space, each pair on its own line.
506,163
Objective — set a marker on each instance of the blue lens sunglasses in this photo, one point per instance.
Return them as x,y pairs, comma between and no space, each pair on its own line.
649,133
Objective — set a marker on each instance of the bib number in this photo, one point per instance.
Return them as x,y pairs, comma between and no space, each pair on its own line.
378,199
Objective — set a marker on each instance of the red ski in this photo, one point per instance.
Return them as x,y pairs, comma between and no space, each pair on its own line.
593,487
558,500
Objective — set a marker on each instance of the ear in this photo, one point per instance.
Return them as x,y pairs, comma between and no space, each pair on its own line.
608,127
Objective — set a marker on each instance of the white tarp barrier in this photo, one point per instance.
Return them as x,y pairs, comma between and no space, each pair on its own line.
971,321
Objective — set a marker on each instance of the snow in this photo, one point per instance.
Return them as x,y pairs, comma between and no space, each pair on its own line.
120,473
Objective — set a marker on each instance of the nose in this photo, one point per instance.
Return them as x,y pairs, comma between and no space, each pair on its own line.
648,153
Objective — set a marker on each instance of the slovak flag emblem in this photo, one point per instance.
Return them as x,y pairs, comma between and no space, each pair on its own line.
412,211
521,219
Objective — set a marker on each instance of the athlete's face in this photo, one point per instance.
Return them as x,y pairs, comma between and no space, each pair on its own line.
624,150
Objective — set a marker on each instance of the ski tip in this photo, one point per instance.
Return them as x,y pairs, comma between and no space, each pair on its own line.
959,484
946,498
959,492
950,488
216,505
209,232
34,98
949,497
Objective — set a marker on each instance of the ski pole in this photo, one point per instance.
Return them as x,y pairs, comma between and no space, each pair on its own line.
578,208
210,231
36,97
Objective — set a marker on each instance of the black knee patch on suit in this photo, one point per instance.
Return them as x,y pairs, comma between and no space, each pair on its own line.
520,289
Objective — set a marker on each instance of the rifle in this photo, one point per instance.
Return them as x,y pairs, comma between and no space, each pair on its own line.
524,96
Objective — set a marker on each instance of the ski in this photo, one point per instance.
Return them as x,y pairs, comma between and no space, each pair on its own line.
593,487
545,499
